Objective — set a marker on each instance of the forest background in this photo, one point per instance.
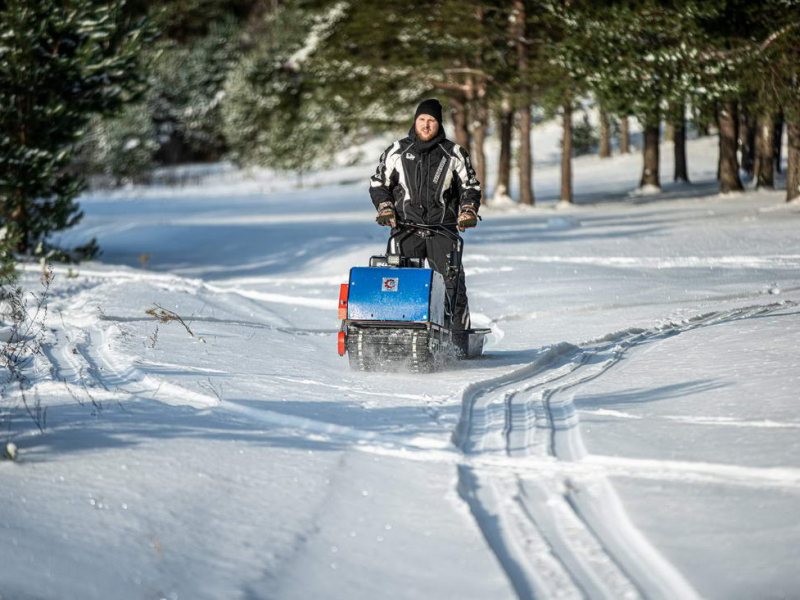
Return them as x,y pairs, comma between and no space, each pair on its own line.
106,92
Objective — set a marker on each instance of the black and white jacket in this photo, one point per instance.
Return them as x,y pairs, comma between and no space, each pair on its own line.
426,182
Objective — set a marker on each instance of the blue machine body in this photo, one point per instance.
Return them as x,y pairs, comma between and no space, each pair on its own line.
396,294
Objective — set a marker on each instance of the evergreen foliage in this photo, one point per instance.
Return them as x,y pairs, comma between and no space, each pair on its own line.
60,64
187,91
584,137
187,21
180,118
121,148
8,243
635,58
277,112
283,84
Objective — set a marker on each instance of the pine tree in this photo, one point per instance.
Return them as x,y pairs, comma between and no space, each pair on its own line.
281,109
187,91
121,148
60,64
636,59
753,58
561,82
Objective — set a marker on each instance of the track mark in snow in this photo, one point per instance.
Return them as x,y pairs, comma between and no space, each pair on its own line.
84,357
322,428
66,361
605,412
778,477
54,367
116,373
528,316
526,558
569,512
695,420
175,282
157,364
729,422
235,322
324,304
787,261
513,439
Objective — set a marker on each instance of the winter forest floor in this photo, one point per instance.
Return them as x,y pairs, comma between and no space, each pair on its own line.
631,432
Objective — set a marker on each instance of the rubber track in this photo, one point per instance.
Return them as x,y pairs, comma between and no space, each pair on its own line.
373,349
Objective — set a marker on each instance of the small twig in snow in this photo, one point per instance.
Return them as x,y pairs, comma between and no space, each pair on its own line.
164,315
210,386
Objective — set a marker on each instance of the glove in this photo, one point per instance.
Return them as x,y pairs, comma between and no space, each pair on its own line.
467,218
386,215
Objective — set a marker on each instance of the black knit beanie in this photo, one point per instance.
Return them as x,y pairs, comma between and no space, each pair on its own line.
430,107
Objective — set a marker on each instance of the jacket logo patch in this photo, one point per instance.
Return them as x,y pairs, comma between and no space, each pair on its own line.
439,170
410,156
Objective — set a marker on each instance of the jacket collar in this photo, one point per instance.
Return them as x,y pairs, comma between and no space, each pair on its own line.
423,147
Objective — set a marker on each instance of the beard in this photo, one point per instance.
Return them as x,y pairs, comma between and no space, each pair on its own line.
426,136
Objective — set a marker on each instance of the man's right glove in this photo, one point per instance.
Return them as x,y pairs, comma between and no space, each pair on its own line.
386,215
467,218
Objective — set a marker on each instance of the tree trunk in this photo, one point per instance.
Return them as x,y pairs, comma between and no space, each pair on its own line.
679,138
460,123
764,167
479,127
19,216
525,157
566,155
605,135
669,132
793,159
624,136
479,113
747,141
505,118
777,141
728,162
704,116
651,156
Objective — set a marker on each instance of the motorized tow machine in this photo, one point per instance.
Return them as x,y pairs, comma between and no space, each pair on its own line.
396,314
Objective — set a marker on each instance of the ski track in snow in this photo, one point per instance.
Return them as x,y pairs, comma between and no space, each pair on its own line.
563,532
92,363
82,358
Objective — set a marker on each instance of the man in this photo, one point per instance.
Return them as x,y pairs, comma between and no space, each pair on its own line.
425,178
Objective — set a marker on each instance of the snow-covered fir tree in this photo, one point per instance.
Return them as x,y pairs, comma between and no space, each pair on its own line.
60,64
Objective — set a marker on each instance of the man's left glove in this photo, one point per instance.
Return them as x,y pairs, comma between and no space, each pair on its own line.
467,218
386,215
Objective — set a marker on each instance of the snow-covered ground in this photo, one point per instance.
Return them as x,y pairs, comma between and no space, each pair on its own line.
633,429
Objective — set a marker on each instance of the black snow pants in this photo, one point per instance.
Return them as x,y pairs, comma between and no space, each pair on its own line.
435,249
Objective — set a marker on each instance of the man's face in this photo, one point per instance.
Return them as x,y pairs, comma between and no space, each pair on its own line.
426,127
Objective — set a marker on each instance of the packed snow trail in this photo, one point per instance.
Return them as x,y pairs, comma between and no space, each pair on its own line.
563,535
